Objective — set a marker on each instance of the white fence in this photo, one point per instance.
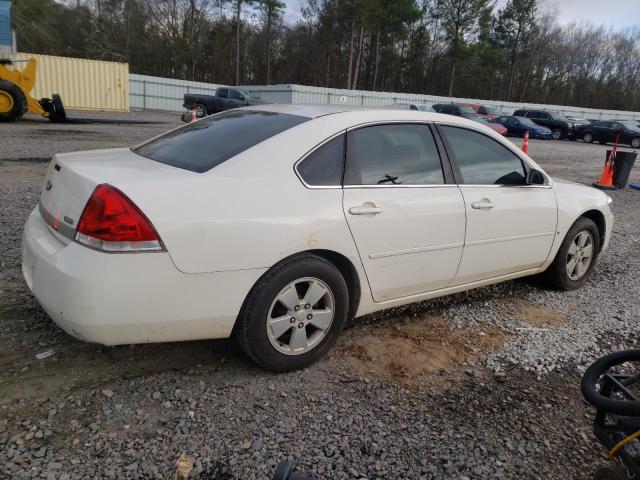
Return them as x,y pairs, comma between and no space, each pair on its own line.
157,93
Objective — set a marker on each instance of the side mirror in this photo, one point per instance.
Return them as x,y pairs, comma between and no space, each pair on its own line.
535,177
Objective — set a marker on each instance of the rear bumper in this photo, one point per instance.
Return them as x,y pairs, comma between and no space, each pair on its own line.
117,299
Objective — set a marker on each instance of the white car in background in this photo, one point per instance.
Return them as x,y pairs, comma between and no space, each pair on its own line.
278,223
423,107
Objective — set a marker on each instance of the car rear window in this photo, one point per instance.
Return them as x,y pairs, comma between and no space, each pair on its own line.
202,145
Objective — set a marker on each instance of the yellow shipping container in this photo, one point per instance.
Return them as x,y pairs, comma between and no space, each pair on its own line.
82,84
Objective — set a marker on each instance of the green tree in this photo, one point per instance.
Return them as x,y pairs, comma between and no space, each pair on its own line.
272,9
460,19
515,29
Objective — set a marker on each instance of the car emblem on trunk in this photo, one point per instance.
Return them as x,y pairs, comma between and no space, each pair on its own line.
48,186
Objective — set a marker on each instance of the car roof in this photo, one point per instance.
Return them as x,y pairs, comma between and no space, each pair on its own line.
310,111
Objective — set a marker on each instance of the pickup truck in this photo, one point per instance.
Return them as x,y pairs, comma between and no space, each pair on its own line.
225,98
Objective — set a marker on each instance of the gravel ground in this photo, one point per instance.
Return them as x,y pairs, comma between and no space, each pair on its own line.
459,387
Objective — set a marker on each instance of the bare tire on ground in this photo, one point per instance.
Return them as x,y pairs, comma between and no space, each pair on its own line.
13,103
59,114
576,257
294,314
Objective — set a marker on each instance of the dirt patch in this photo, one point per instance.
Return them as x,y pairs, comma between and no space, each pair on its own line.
539,316
408,347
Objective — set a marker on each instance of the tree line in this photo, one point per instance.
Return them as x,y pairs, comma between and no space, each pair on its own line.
462,48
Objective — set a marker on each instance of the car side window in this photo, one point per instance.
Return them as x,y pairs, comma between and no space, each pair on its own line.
394,154
616,126
223,92
544,116
482,160
235,95
323,167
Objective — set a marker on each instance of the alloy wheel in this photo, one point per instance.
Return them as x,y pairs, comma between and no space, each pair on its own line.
200,111
300,316
580,255
635,143
588,138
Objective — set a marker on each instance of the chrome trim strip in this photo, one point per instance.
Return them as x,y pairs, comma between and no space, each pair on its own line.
56,224
443,185
409,251
508,239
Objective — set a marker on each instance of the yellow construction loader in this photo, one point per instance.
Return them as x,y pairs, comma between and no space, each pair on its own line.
15,98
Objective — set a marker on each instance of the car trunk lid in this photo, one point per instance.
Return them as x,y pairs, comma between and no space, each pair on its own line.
72,177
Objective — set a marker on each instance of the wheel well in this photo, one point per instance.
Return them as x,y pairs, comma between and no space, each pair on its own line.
349,273
598,219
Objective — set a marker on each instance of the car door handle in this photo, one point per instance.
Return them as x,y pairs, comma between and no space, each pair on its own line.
366,209
484,204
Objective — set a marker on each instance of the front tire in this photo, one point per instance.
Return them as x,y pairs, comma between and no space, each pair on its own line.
587,137
294,314
574,262
13,103
201,110
635,142
556,134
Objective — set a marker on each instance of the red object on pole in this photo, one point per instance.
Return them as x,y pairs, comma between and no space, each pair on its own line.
525,145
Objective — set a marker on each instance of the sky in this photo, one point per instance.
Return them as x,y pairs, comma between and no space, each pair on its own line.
618,14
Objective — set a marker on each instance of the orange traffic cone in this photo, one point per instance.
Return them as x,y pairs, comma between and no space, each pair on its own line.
606,177
193,114
525,145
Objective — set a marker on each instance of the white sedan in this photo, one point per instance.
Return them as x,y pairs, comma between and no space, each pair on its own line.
279,223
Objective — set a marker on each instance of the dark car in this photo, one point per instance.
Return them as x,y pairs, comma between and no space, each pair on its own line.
517,126
560,126
626,131
224,98
454,109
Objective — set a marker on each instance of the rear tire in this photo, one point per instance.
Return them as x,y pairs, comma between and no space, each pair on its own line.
611,472
13,102
59,114
270,342
557,275
635,142
201,110
587,137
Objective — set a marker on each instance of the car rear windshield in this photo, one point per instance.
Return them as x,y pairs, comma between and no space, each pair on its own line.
202,145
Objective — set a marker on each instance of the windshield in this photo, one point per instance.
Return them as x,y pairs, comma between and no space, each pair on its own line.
558,116
527,121
493,110
630,124
477,118
464,109
247,93
204,144
425,108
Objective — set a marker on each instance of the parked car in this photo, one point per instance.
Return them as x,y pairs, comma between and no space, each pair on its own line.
464,110
225,98
423,107
489,123
489,111
458,110
608,131
259,222
559,125
578,122
517,126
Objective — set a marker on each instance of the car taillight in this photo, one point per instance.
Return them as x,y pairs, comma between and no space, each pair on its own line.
111,222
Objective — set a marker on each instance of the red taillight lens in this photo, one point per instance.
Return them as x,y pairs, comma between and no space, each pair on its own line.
111,222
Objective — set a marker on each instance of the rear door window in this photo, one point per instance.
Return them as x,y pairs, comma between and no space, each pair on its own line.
204,144
395,154
223,92
235,95
482,160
